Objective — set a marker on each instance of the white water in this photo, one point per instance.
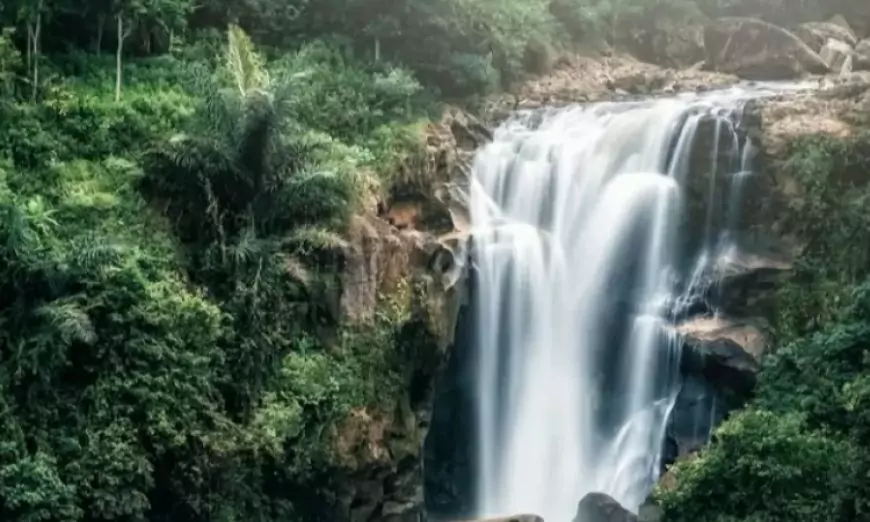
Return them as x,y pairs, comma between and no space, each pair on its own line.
577,211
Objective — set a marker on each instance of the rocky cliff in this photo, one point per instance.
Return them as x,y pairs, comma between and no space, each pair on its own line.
408,248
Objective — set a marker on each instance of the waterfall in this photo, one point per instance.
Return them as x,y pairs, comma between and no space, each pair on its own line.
580,223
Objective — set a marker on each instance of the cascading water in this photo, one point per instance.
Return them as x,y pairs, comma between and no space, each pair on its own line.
579,217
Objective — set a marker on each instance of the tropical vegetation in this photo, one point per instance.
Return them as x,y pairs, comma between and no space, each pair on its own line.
175,181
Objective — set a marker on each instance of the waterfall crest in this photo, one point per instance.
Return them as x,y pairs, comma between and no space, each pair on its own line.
580,219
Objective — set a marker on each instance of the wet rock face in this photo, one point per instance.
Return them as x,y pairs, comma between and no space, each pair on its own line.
756,50
598,507
450,447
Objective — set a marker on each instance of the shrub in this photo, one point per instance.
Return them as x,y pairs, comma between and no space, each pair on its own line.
764,467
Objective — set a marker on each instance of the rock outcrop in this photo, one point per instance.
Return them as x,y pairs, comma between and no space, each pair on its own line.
756,50
838,112
395,249
584,79
718,351
838,55
751,338
745,283
599,507
817,34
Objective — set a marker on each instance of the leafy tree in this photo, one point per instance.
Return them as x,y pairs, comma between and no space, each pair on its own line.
33,14
10,60
129,14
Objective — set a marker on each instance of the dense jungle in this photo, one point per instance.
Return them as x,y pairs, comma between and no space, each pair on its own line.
222,240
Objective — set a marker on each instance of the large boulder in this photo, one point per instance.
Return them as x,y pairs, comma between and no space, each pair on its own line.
674,45
861,57
719,362
599,507
838,56
743,332
756,50
817,34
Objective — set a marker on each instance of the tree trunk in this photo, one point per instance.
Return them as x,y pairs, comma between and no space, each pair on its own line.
377,49
29,47
101,24
36,37
119,58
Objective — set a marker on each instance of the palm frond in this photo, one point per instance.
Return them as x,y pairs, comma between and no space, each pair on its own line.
67,321
244,63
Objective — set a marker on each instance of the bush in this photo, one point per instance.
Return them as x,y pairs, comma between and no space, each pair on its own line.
765,467
72,124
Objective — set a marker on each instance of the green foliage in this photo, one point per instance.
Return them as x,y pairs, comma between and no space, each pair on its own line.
798,453
73,123
831,216
332,93
169,346
32,491
10,61
822,374
764,467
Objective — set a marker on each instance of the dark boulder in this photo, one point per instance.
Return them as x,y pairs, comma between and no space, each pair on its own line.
746,284
599,507
756,50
